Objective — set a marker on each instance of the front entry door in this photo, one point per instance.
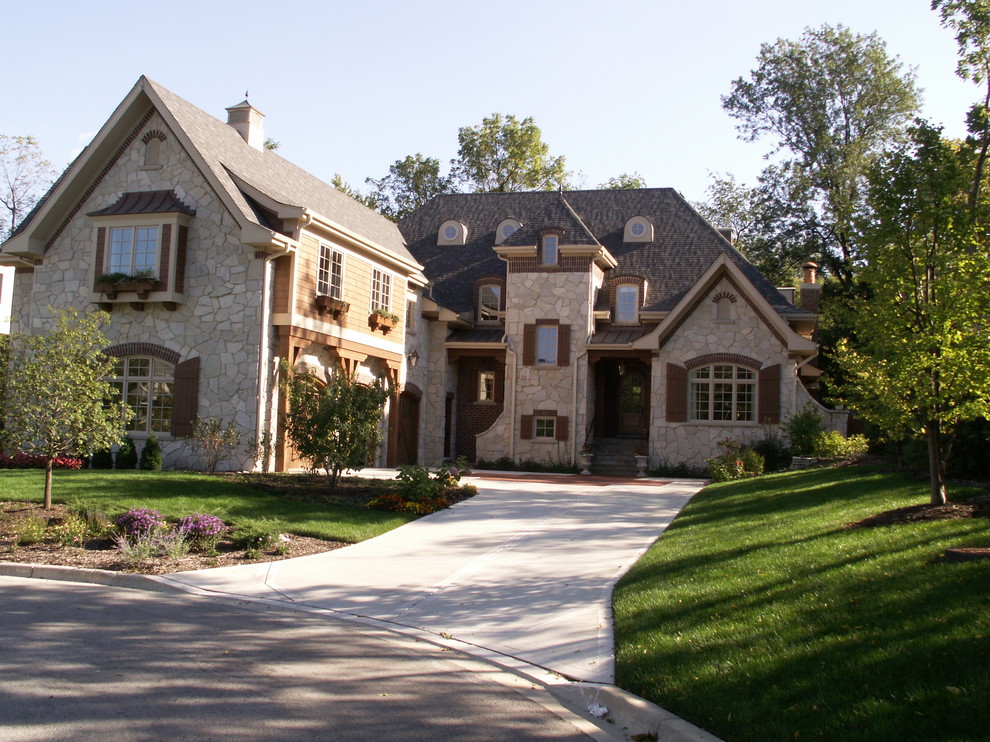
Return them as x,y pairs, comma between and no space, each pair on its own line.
408,442
633,403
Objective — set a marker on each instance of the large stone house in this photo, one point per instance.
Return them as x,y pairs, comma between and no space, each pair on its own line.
530,325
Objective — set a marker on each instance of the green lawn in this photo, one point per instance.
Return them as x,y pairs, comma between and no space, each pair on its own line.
175,494
757,616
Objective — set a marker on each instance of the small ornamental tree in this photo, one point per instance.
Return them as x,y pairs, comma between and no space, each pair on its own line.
151,455
127,455
213,441
334,426
58,400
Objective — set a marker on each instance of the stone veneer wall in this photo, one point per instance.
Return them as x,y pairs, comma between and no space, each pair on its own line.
220,317
701,334
531,296
430,375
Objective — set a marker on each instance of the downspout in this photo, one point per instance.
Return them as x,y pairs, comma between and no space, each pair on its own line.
512,397
574,395
264,408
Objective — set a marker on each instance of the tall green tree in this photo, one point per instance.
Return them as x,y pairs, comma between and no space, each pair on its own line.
505,154
346,188
410,183
25,175
830,102
921,363
623,181
58,399
970,20
334,426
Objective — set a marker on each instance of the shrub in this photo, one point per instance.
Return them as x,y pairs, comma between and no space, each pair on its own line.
31,531
139,522
416,483
102,459
203,531
736,463
213,442
126,455
803,428
151,455
255,535
97,522
135,550
832,445
396,503
774,450
71,531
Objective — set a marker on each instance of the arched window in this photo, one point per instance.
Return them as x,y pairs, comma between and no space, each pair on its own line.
146,384
452,232
723,391
627,303
506,228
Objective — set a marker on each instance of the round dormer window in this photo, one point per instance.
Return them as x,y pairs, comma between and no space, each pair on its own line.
638,229
506,228
450,232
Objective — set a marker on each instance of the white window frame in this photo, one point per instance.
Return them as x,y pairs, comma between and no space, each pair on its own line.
330,272
486,386
381,290
627,312
545,428
122,257
154,404
721,393
550,249
492,313
547,344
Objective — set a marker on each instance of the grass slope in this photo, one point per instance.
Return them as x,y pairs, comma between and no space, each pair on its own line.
758,616
175,494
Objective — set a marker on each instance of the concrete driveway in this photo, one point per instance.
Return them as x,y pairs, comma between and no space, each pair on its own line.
525,569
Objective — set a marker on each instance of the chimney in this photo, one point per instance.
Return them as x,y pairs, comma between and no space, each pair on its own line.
246,119
729,235
811,292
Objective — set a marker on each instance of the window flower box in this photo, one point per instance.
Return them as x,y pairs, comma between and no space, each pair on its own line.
112,284
383,320
336,307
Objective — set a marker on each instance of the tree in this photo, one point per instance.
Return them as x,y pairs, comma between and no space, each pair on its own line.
623,181
213,441
25,174
346,188
970,19
333,426
833,100
410,183
58,399
504,154
922,362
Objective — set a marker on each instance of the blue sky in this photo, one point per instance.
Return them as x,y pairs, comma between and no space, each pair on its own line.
616,86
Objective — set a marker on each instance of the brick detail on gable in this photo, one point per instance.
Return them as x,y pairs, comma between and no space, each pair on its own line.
143,349
703,295
99,179
710,358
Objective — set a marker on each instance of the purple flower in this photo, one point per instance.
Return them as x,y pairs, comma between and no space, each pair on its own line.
140,521
202,525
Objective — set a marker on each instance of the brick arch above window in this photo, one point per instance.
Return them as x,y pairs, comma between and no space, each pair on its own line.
185,389
709,359
144,349
413,391
153,134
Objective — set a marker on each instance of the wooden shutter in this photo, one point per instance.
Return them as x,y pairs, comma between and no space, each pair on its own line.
529,345
677,393
101,241
564,345
185,397
500,386
164,254
561,428
180,258
769,391
526,427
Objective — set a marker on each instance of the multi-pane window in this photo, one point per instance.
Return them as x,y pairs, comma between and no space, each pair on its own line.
546,345
550,249
145,384
381,290
723,392
486,386
627,303
545,427
489,301
132,250
330,274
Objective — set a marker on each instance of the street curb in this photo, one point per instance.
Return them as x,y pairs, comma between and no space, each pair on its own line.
625,713
631,714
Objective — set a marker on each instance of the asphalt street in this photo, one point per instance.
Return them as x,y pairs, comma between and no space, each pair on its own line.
89,662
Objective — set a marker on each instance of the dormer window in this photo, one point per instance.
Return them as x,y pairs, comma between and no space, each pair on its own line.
452,233
638,229
153,148
506,228
627,304
489,303
549,246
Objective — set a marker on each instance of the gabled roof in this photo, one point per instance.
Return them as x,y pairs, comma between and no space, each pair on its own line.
684,245
224,158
